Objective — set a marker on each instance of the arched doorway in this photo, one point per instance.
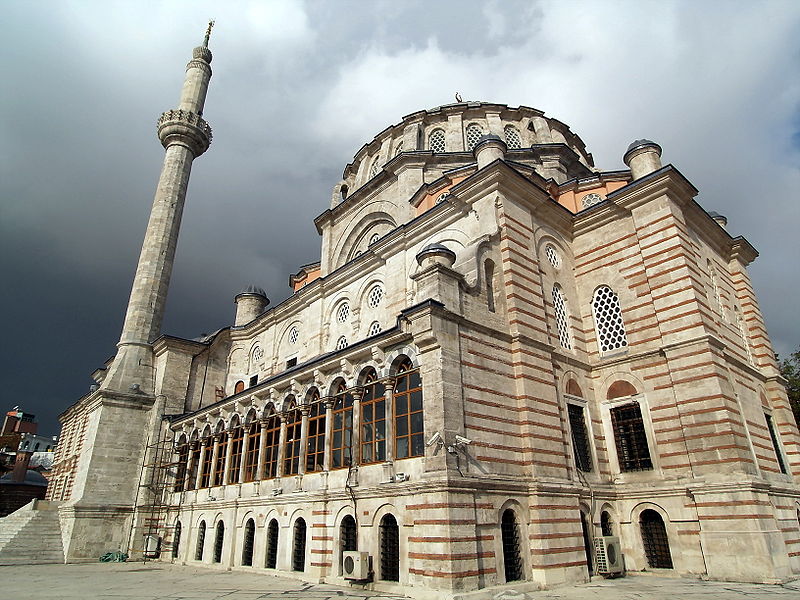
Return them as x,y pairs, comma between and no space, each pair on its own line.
512,559
348,537
389,549
201,540
249,538
176,540
655,540
218,540
272,545
299,547
587,541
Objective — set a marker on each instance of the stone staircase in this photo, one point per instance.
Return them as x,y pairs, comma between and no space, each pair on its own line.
31,535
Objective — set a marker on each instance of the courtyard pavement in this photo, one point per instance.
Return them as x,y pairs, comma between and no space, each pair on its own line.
159,581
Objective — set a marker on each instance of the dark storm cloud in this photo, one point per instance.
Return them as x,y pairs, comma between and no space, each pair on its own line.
297,89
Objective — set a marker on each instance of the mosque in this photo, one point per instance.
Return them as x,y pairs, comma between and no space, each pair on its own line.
509,367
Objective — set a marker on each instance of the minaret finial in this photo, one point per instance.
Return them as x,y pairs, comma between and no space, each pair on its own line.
208,32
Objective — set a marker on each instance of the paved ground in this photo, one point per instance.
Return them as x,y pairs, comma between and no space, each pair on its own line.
155,581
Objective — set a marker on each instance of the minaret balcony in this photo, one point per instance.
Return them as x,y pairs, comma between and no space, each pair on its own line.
186,128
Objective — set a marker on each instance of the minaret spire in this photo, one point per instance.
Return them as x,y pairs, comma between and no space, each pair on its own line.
185,135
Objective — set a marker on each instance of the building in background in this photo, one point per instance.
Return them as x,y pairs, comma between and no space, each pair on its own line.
506,362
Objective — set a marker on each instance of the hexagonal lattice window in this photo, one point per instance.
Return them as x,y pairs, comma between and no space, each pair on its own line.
562,318
474,133
553,256
436,141
399,148
341,343
343,312
293,335
608,320
374,328
373,170
513,140
591,199
375,296
374,238
258,353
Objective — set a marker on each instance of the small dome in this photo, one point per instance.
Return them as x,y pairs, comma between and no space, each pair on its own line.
253,290
31,478
489,136
436,249
641,143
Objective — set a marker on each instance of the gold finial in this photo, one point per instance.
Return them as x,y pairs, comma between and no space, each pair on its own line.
208,32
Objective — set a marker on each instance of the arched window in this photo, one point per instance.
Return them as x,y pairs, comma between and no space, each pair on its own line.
373,238
251,452
201,540
272,545
608,320
580,437
343,312
272,434
219,466
743,332
474,134
341,343
239,387
299,547
436,141
488,275
375,296
513,140
587,541
373,170
606,526
562,318
348,537
176,540
208,449
374,329
219,539
398,149
343,193
553,257
315,440
249,539
291,461
389,549
512,559
342,429
182,459
409,423
373,420
237,440
655,540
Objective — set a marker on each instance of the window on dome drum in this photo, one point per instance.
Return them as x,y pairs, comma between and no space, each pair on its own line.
291,461
219,465
608,320
474,134
180,474
553,257
249,539
315,440
201,540
436,141
655,540
373,421
239,387
176,540
633,453
580,438
513,140
343,312
341,343
374,329
219,539
205,474
348,537
389,535
299,546
272,434
591,199
776,445
409,424
236,442
342,430
251,452
398,149
512,559
375,296
191,478
562,318
373,170
271,561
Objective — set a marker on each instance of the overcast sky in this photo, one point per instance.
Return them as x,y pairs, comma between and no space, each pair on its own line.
297,89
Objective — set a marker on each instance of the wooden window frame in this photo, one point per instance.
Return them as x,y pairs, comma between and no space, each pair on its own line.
251,453
272,433
372,403
218,476
207,466
315,437
405,371
342,427
292,446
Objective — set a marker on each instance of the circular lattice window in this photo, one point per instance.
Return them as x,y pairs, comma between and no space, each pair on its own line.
375,296
343,312
374,329
442,197
341,343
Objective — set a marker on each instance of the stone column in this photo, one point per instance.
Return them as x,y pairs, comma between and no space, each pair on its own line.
200,461
282,444
190,461
356,437
389,412
228,452
261,445
328,433
243,459
212,476
301,467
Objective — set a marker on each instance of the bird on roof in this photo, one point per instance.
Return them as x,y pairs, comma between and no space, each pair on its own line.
458,97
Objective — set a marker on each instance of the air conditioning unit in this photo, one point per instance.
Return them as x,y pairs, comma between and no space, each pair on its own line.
608,555
355,565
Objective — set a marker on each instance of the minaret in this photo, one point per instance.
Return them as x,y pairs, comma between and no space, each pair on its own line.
185,136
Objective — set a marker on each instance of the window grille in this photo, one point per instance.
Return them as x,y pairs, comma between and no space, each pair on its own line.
562,318
591,199
398,149
219,466
258,354
249,538
552,256
608,320
176,540
713,275
291,461
341,343
442,197
409,425
191,478
655,540
373,421
251,452
630,438
293,335
436,141
776,445
299,546
348,537
180,475
343,312
606,528
315,440
390,549
512,560
474,134
374,328
580,438
237,439
219,539
272,433
375,296
205,475
342,430
373,238
513,140
272,545
201,540
373,170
